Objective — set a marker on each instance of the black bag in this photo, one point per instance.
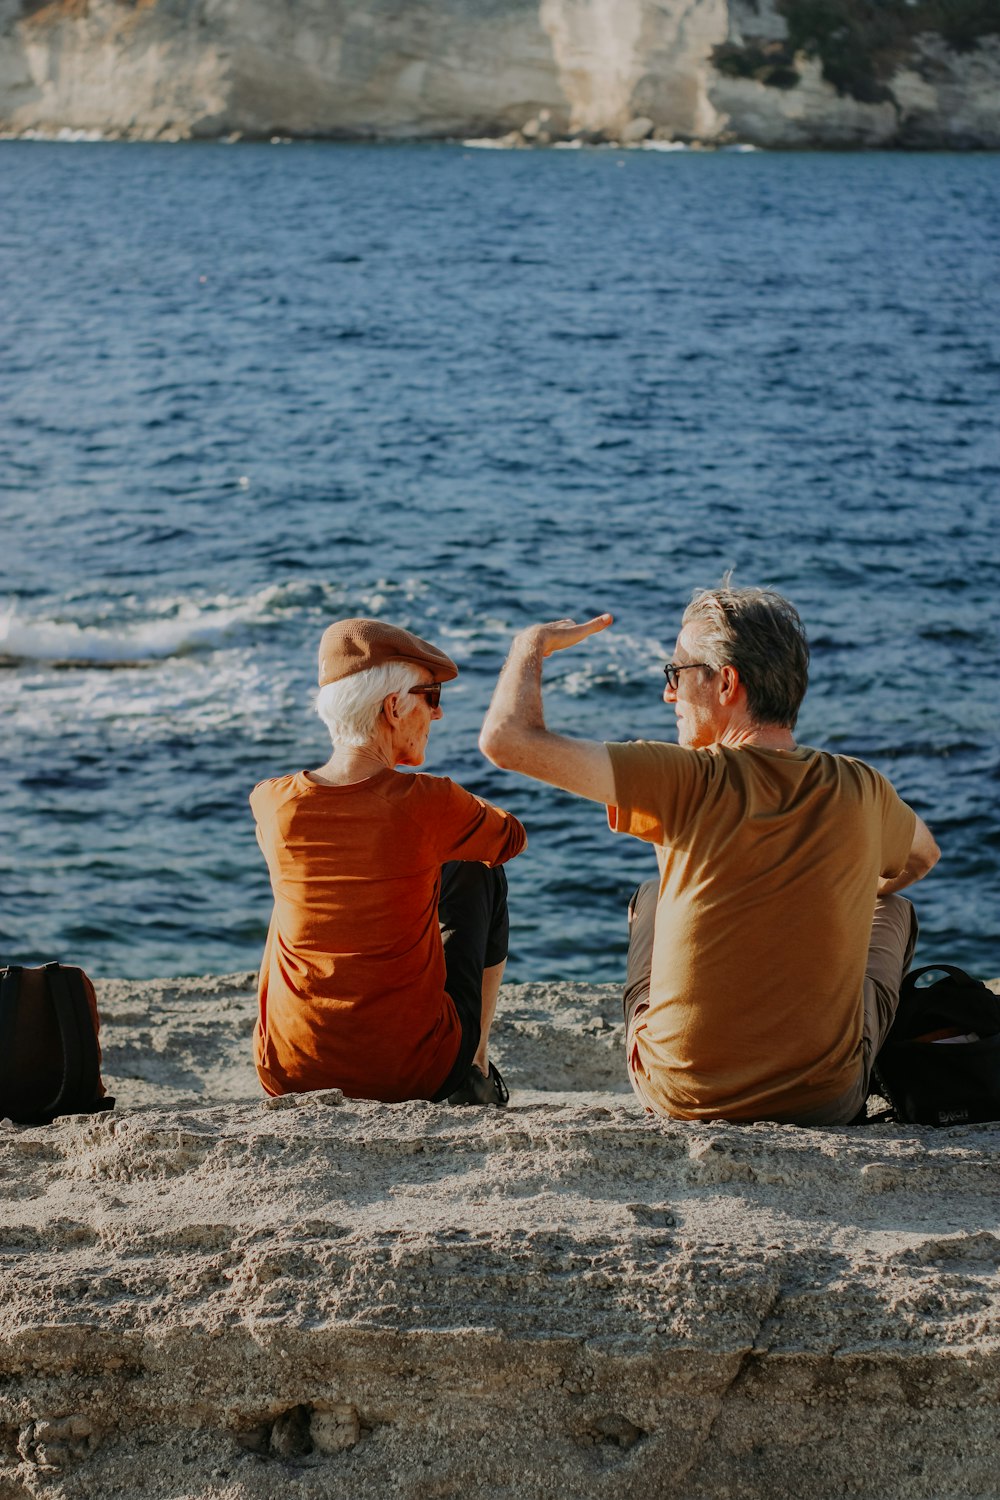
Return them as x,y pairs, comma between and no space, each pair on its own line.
50,1058
942,1082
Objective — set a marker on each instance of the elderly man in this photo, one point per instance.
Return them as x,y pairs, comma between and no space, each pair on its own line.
388,938
765,963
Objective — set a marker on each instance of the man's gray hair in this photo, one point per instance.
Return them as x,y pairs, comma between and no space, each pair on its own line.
761,634
350,707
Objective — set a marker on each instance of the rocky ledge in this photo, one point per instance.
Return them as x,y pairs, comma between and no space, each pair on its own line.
212,1294
785,73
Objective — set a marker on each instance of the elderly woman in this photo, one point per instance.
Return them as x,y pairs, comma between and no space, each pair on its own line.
388,939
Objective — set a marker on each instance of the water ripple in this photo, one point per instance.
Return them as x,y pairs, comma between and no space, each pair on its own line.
247,392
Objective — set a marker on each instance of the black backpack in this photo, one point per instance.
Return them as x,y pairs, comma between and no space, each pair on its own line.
942,1082
50,1058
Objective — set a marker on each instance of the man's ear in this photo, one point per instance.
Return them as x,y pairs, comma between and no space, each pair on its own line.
729,683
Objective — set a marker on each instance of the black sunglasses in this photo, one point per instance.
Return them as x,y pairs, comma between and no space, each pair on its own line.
431,691
673,669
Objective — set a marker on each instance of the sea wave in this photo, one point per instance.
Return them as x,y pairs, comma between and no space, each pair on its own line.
135,633
67,643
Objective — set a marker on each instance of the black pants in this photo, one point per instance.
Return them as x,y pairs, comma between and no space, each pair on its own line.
472,912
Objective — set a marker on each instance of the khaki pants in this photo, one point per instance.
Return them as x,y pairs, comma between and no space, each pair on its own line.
890,953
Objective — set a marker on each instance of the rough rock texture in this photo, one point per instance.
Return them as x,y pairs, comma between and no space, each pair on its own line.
536,70
210,1294
938,97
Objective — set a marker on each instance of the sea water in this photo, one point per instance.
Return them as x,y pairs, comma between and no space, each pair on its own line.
248,390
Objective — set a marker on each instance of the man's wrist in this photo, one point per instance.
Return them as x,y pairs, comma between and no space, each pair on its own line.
529,642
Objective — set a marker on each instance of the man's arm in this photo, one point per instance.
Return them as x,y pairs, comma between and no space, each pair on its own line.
514,735
923,856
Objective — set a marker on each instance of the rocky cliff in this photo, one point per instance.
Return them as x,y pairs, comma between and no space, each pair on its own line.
766,72
212,1295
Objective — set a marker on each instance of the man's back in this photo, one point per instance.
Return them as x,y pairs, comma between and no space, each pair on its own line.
769,863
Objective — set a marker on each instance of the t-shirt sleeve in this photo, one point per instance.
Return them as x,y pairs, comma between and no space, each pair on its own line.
260,804
657,787
463,826
899,823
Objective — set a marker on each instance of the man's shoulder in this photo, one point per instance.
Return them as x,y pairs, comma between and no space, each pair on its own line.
646,750
849,775
812,755
853,765
659,759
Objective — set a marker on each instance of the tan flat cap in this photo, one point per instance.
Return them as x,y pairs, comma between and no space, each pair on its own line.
352,646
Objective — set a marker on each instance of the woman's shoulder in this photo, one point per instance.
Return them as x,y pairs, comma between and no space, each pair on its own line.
418,786
426,795
274,790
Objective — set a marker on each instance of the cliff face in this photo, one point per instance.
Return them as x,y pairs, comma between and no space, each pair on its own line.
762,71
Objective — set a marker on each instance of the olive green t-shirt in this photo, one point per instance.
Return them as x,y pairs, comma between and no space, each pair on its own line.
769,862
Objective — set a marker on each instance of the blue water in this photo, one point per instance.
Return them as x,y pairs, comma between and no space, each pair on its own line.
246,390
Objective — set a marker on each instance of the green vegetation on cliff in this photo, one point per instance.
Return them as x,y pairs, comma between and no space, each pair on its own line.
860,43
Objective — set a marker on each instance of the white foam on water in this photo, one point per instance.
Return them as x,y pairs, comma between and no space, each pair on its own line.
192,628
129,631
181,665
615,656
186,696
487,633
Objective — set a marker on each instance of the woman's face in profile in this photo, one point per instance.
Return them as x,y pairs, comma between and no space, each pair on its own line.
412,730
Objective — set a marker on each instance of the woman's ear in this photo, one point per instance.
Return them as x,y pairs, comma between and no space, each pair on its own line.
390,708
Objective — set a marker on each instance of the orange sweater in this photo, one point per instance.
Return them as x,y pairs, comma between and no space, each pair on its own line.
352,982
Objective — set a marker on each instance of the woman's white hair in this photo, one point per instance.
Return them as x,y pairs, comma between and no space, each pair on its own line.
349,708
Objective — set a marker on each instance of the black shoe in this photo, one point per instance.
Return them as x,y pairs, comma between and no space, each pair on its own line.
481,1089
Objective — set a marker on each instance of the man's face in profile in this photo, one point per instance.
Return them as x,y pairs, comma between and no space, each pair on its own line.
701,720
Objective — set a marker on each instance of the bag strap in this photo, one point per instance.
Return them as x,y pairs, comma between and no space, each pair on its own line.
81,1066
959,975
10,983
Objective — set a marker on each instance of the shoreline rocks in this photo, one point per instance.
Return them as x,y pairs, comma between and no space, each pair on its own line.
545,72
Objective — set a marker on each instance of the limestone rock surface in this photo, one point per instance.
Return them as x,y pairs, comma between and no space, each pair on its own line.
211,1294
626,70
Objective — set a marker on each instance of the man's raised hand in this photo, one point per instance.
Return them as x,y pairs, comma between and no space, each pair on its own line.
558,634
514,735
